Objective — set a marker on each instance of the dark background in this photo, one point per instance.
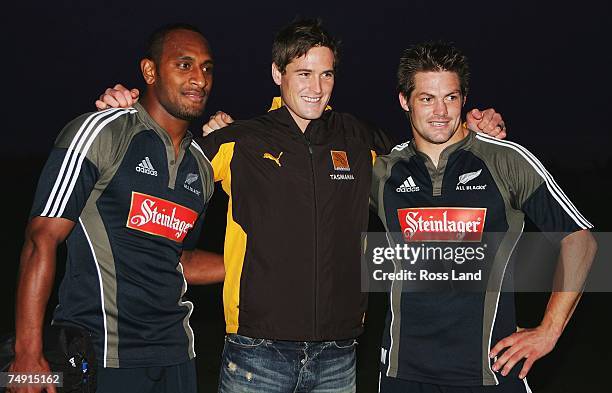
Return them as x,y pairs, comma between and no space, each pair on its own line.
545,67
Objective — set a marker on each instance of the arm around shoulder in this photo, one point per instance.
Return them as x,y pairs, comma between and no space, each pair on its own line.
202,267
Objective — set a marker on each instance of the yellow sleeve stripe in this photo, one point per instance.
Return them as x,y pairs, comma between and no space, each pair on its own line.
233,258
235,240
221,162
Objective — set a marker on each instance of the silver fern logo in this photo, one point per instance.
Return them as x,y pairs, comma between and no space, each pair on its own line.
467,177
191,178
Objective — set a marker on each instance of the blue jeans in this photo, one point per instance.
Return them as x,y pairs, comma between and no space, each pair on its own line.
257,365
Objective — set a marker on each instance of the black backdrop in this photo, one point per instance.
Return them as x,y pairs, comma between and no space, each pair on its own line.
545,67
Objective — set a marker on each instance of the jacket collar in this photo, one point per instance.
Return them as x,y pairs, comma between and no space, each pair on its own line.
315,129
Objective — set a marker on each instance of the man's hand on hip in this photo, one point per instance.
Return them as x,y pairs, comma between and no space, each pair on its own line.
528,344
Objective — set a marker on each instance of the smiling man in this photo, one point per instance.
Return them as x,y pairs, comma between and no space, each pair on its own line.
466,184
307,83
127,189
293,306
439,109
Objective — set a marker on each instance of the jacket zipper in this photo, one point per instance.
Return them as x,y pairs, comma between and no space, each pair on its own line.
314,197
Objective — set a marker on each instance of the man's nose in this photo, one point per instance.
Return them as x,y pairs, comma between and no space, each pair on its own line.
440,108
199,78
315,85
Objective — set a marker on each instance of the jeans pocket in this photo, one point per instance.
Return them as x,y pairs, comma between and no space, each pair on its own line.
343,344
244,341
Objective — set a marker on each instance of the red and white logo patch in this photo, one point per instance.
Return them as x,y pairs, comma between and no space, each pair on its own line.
160,217
442,224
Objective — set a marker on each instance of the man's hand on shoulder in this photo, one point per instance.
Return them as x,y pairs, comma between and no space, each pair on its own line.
217,121
487,121
117,97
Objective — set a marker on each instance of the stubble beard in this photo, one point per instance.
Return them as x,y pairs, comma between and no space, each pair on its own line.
177,109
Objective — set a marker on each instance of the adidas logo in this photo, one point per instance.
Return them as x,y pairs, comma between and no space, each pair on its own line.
408,186
146,167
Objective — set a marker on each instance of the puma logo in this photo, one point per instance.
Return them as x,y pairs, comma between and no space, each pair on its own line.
275,159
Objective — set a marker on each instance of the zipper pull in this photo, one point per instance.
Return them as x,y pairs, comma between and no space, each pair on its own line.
307,143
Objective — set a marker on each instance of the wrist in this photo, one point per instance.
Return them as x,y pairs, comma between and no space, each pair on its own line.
29,348
551,328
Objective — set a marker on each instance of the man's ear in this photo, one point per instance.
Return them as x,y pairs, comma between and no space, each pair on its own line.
276,74
147,67
403,102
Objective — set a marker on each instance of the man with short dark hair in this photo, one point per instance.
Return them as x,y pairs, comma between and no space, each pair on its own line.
298,179
127,189
466,189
